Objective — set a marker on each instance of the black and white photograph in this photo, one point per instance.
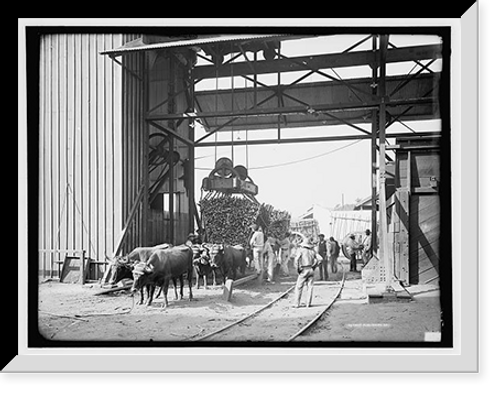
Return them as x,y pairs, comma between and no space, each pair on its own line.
202,187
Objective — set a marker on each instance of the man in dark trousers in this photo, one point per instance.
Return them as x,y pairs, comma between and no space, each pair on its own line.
333,254
323,266
352,246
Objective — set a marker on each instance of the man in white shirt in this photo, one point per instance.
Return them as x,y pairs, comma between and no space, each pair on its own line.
257,245
306,261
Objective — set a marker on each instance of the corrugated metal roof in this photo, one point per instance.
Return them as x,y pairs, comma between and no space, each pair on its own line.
140,45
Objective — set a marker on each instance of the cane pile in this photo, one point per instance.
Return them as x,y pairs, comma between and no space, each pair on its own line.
227,219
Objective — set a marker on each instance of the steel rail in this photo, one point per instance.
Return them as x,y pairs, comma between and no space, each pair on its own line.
282,295
246,317
313,321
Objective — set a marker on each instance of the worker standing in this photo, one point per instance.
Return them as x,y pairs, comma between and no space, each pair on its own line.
322,251
367,247
333,250
352,246
285,246
270,256
257,245
305,261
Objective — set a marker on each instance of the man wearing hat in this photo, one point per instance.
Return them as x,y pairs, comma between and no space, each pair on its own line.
322,251
191,239
257,245
367,247
352,246
305,261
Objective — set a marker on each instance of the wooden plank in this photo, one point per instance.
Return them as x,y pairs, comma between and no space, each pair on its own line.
401,240
246,279
124,232
230,284
113,289
71,271
424,243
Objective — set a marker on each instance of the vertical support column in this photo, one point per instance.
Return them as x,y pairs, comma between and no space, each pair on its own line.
190,167
384,245
374,154
172,126
145,150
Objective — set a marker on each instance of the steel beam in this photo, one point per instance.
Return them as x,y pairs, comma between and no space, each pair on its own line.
330,138
189,169
302,63
385,255
312,96
304,109
169,132
234,118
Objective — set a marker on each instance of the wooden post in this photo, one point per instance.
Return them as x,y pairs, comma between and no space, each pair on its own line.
228,290
231,284
124,232
137,202
83,268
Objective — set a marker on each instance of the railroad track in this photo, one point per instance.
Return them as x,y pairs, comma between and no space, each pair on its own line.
277,320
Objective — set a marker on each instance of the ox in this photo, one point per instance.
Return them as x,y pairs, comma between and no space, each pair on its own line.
162,266
229,259
123,266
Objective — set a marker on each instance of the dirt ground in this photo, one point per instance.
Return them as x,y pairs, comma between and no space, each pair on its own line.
70,312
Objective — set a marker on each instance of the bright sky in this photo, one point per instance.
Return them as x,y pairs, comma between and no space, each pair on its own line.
325,171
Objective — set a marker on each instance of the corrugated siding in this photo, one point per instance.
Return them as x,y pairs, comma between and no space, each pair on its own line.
80,140
134,147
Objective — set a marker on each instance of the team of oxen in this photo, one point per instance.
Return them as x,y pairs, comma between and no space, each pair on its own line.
156,266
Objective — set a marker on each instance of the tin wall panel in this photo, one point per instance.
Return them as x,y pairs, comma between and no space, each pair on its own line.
80,140
134,148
